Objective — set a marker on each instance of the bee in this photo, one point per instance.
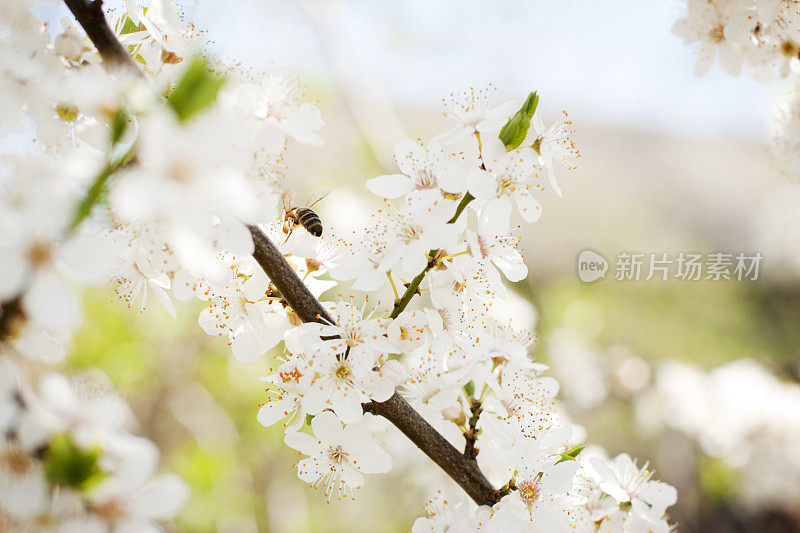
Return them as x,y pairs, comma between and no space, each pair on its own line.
302,215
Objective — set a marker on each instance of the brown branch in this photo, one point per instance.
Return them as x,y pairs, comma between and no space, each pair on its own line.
464,471
283,276
471,435
10,312
396,410
89,14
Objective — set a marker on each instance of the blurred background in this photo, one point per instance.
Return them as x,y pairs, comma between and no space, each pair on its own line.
701,378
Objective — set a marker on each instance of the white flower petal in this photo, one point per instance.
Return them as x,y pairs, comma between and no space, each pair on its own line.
52,304
529,207
390,185
327,427
162,498
274,411
12,273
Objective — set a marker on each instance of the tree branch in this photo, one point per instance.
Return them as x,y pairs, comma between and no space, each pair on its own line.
464,471
10,310
283,276
471,435
396,410
401,303
89,14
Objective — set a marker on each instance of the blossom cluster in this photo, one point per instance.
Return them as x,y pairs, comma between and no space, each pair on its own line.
185,177
762,37
759,35
180,188
446,234
67,463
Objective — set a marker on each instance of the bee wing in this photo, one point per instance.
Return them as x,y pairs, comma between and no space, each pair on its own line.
318,196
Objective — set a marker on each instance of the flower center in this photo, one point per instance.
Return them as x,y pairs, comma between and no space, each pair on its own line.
408,233
351,338
294,375
484,246
343,372
446,319
39,253
426,178
513,405
529,492
181,172
505,185
170,58
110,511
790,49
17,461
337,455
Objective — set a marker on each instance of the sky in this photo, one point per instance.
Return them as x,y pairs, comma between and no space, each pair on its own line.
614,62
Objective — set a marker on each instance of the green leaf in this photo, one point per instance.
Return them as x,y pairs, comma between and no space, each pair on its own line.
65,463
195,91
94,194
129,26
469,388
515,130
119,123
570,455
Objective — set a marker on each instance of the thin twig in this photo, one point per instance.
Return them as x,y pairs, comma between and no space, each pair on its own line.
463,204
471,435
413,288
434,256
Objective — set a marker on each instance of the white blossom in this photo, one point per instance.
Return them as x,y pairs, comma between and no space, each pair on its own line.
338,457
509,181
242,311
494,243
426,173
470,109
